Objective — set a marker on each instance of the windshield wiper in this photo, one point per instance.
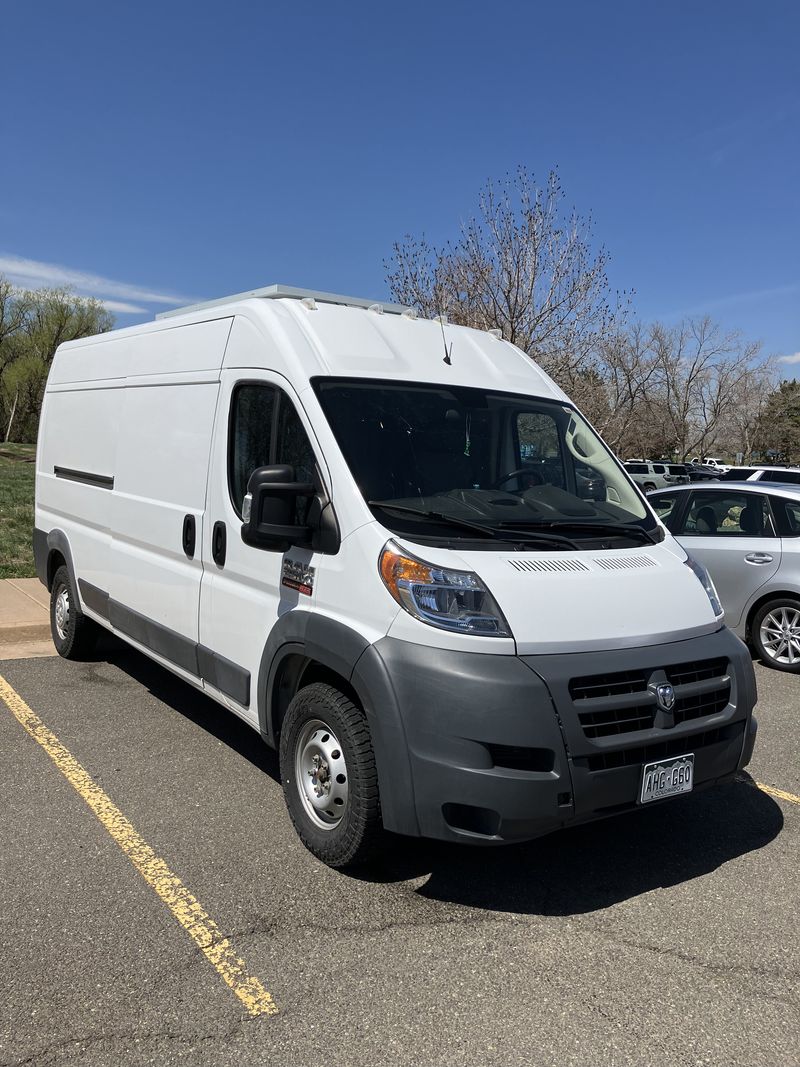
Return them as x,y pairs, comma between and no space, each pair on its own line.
614,528
438,516
518,535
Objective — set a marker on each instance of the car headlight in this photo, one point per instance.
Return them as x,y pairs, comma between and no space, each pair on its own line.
705,580
452,600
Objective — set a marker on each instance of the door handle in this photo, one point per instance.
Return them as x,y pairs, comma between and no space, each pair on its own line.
219,543
758,557
189,535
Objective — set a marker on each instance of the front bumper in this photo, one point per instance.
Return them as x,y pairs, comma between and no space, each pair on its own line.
505,748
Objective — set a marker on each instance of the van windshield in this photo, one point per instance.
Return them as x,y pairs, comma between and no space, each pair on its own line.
455,463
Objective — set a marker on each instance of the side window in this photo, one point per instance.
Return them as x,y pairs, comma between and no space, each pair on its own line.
636,468
659,468
540,448
665,506
266,429
787,477
293,447
249,444
726,514
787,515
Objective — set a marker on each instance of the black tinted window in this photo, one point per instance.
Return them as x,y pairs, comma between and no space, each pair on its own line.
250,436
737,474
787,477
636,468
787,515
265,429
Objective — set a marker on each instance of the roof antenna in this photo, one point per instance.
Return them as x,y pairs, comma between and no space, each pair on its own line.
442,319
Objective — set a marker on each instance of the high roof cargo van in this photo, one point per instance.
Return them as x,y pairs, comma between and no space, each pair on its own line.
397,550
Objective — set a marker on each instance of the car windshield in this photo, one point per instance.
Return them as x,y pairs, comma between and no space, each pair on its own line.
459,463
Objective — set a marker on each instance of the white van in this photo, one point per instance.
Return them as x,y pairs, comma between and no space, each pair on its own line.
366,534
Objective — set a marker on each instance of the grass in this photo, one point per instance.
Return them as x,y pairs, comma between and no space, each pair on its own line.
17,465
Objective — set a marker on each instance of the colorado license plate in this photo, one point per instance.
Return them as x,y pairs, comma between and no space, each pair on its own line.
667,778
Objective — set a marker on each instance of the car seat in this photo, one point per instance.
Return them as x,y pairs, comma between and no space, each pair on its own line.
705,521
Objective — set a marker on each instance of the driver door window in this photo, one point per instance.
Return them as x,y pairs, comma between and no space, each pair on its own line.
540,449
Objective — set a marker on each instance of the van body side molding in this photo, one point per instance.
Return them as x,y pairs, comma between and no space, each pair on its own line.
100,481
228,677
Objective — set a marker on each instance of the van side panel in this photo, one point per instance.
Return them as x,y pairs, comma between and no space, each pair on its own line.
162,467
76,467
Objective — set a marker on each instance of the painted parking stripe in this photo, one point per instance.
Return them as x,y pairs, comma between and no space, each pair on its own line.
770,790
185,907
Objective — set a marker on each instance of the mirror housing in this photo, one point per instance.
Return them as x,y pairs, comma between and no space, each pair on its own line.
269,507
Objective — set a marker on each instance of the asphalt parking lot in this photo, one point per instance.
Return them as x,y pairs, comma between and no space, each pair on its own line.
668,936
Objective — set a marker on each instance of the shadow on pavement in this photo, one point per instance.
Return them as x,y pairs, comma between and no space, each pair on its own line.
570,872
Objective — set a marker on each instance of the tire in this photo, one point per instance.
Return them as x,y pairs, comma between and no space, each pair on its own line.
337,816
649,487
774,644
73,634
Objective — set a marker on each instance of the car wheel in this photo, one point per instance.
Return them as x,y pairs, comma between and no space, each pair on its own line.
330,783
74,635
775,633
649,487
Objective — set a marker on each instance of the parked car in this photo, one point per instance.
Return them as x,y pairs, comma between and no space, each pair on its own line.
782,475
698,472
711,461
648,476
290,500
677,474
747,534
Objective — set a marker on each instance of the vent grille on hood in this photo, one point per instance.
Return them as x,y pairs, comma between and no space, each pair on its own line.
624,563
548,565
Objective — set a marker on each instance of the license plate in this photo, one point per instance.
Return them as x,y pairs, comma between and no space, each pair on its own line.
667,778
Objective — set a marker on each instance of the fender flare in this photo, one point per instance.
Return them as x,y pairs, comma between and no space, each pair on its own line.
44,544
349,654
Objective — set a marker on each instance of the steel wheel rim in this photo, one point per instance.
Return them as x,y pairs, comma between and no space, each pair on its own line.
321,775
62,612
780,635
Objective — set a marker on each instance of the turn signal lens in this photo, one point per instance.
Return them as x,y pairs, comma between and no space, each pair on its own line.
452,600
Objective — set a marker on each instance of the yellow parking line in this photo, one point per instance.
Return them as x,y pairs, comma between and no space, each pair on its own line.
186,908
780,794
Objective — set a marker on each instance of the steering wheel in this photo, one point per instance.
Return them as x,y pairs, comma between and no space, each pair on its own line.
533,477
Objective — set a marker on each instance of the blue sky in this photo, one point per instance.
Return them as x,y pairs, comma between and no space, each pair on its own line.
159,153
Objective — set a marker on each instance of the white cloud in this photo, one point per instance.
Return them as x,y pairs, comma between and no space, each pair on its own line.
120,306
790,359
31,273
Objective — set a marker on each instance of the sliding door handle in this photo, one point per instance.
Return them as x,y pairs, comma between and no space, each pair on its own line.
189,535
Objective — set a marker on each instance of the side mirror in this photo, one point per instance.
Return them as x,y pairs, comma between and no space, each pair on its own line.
269,508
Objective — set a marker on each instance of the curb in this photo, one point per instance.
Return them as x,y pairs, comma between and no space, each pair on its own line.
16,634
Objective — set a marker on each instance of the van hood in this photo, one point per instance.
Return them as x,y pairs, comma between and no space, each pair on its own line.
589,601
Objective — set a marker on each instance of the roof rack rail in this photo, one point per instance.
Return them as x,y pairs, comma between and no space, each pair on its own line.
277,292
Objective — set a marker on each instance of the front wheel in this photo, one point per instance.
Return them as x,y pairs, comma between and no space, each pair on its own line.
330,783
775,634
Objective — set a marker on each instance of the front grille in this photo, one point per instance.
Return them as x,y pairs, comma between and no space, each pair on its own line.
622,703
658,750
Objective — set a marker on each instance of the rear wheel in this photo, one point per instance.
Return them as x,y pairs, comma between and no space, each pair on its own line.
649,487
73,634
329,779
775,634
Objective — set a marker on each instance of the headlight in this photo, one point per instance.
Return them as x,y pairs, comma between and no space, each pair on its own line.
451,600
705,580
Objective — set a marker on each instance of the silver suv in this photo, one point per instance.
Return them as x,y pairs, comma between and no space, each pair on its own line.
650,476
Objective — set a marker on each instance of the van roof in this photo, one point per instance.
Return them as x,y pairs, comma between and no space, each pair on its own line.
278,292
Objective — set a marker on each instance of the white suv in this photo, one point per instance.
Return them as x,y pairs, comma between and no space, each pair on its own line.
649,476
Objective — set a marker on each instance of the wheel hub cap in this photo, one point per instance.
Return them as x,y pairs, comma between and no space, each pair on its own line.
62,613
321,775
780,635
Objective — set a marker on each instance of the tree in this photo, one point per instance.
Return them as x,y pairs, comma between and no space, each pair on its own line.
32,326
778,431
523,266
